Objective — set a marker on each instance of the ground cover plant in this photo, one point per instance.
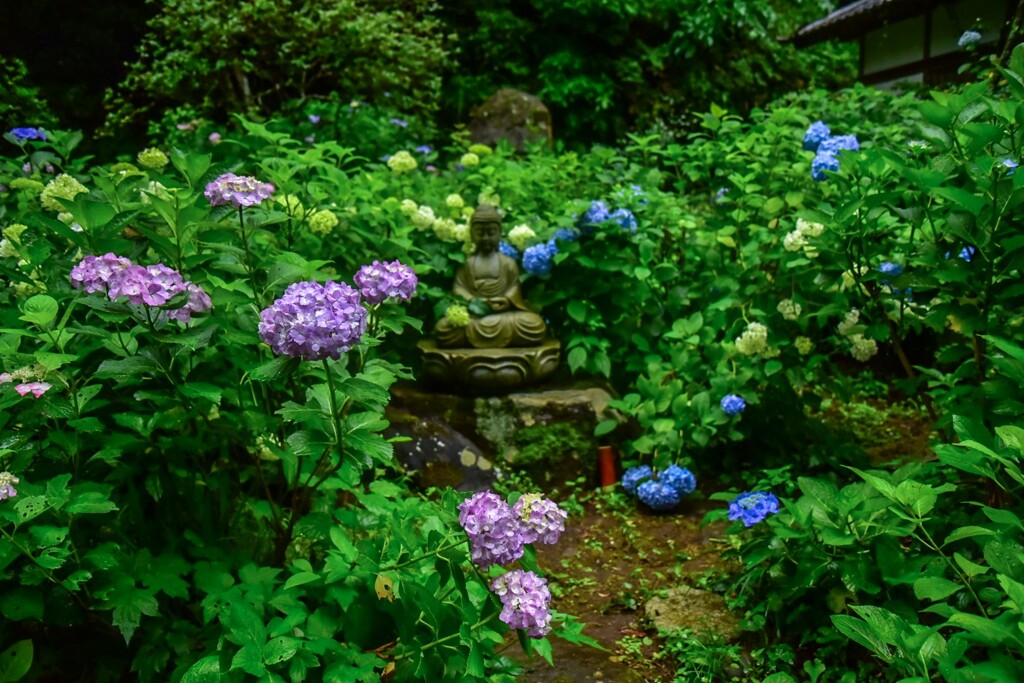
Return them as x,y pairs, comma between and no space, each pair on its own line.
198,342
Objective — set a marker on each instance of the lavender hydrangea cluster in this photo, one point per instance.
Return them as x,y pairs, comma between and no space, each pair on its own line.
733,404
314,321
153,286
662,490
498,531
237,191
753,507
525,600
968,39
537,259
495,533
541,519
378,282
7,482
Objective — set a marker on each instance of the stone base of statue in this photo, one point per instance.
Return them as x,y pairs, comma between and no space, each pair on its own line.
489,371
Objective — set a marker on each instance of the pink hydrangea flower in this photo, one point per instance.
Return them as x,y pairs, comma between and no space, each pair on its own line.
37,389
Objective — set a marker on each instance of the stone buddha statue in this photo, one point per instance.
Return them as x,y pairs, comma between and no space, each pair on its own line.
492,277
503,349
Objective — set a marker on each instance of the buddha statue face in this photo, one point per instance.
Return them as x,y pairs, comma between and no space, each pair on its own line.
485,229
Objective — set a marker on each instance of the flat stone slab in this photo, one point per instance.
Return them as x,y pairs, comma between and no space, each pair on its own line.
693,609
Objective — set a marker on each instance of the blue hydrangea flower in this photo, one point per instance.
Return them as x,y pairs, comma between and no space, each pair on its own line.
968,39
625,219
23,134
679,478
314,119
508,250
824,161
753,507
632,193
833,145
720,195
597,213
968,253
733,404
658,495
424,149
537,259
1009,164
401,123
816,133
891,269
567,234
634,476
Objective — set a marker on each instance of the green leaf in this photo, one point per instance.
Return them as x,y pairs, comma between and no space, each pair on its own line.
971,569
127,367
877,483
273,369
605,427
577,358
206,670
1012,436
962,198
40,310
577,310
15,661
967,532
935,588
90,503
209,392
21,603
988,632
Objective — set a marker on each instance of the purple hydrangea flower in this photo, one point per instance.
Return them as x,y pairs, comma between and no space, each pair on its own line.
839,142
198,301
495,535
24,134
525,600
753,507
733,404
93,273
401,123
540,518
7,482
508,250
634,476
537,259
658,495
824,161
237,191
314,119
816,133
378,282
314,321
679,478
625,219
424,149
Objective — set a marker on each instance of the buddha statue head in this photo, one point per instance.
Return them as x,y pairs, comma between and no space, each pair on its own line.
485,229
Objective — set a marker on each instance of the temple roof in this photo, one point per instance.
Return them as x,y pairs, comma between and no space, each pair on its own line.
854,19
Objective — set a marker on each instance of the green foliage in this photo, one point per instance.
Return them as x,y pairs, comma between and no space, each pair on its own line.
261,58
21,104
606,68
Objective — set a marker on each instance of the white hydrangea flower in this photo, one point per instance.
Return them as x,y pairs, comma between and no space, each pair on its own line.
520,235
444,228
862,349
455,201
804,345
423,218
408,207
7,250
794,241
789,309
754,339
809,229
849,321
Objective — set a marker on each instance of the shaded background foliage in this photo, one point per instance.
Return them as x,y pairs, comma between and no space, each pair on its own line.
603,66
